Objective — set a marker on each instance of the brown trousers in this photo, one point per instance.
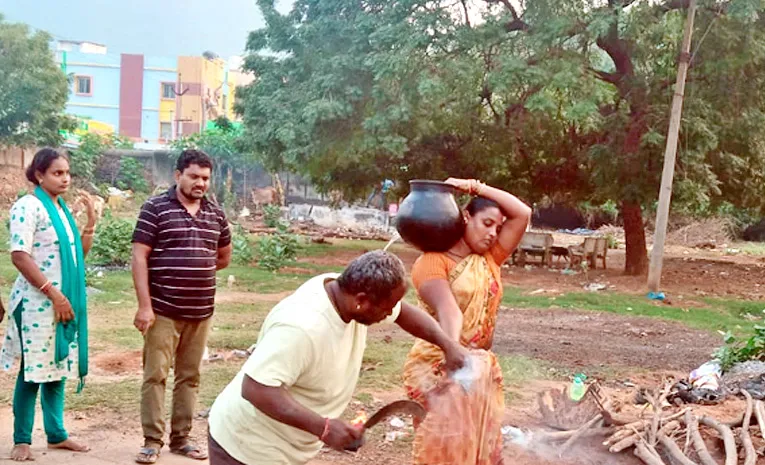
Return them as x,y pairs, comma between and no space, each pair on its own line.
180,344
218,455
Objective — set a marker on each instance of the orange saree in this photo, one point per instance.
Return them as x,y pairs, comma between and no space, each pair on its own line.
463,422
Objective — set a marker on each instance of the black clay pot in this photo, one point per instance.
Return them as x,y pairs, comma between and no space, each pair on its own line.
429,217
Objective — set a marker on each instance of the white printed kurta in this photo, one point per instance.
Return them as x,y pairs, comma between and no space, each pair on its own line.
32,232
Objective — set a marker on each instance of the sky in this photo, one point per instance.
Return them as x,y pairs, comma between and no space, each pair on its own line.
151,27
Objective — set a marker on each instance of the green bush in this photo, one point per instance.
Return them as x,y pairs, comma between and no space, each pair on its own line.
736,350
132,175
83,159
272,215
278,250
613,243
242,252
112,244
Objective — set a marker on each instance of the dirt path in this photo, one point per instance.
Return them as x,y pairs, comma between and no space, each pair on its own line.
591,339
114,439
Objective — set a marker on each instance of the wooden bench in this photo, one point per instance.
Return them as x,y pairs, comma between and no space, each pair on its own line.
592,249
533,243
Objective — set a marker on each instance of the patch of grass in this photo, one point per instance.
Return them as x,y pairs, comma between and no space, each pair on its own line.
745,309
215,378
236,326
119,396
349,245
125,395
5,235
253,279
8,272
112,286
115,336
383,363
518,369
749,248
720,315
364,397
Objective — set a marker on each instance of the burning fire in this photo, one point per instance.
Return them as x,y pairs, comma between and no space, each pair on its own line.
360,419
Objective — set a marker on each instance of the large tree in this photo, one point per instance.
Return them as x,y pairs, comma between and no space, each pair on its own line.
567,99
33,89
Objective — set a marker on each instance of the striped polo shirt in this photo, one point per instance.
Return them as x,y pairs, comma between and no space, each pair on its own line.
183,259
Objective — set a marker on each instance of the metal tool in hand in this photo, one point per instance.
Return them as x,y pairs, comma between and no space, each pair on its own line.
399,407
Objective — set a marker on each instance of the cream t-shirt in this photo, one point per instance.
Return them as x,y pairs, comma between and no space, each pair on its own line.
305,346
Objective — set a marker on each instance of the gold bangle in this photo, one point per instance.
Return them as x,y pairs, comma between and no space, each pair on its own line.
46,287
480,187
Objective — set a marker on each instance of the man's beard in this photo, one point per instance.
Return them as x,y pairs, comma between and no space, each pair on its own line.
192,194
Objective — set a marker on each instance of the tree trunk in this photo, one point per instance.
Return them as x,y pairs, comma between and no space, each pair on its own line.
277,183
636,256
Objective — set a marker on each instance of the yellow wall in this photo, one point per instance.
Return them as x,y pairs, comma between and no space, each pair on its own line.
190,70
210,75
166,110
213,74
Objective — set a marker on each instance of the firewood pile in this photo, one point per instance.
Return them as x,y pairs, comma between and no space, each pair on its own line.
668,435
658,432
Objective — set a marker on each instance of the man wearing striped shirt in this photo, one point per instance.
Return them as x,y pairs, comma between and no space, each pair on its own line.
180,240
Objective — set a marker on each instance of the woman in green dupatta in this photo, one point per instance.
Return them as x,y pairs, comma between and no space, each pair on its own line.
47,315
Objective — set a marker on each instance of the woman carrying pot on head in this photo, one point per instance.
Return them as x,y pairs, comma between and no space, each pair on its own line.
47,321
462,289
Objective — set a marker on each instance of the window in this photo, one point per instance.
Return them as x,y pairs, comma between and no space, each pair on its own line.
84,85
166,131
168,90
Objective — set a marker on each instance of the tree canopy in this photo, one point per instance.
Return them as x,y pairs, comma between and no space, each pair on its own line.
33,89
560,99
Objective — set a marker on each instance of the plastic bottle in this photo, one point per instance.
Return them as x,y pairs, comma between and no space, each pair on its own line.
578,387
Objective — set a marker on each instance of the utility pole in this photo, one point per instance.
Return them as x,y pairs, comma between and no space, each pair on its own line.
179,91
670,153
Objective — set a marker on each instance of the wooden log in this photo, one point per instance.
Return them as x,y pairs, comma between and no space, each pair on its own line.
731,454
759,411
630,441
669,428
657,401
625,443
646,455
750,455
552,436
674,451
698,442
624,432
629,429
566,445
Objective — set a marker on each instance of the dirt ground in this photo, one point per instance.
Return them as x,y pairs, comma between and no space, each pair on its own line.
687,273
566,338
593,341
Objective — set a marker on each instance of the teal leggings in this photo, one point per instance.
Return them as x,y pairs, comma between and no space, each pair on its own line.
25,398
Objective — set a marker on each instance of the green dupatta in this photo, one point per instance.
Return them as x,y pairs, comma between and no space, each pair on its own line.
72,286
